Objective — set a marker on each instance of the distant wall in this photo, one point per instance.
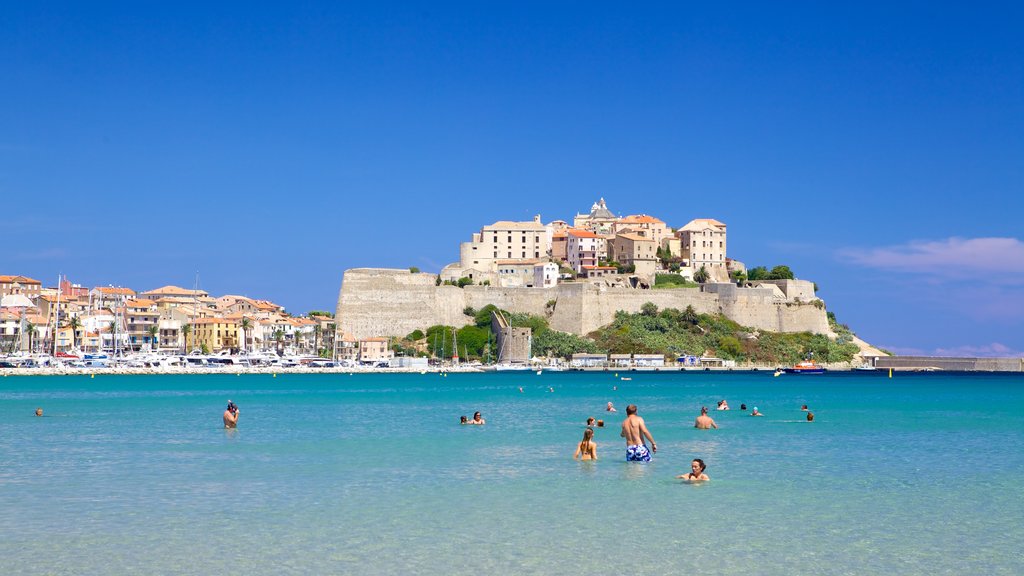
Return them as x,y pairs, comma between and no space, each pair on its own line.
387,302
950,363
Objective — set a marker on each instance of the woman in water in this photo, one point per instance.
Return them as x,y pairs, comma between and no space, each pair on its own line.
587,449
696,472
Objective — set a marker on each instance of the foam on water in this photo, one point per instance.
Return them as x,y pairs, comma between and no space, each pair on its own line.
372,474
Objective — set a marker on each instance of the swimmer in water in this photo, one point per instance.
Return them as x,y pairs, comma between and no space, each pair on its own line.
754,412
39,411
590,421
463,420
587,448
477,419
610,408
810,416
696,474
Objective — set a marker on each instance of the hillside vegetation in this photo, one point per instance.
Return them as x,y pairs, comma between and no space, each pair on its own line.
671,332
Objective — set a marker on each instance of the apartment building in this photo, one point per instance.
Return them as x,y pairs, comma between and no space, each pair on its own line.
110,296
373,350
174,293
505,240
215,333
23,285
636,250
703,244
645,226
141,318
584,248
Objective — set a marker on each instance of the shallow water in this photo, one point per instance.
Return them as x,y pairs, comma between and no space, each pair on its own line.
372,474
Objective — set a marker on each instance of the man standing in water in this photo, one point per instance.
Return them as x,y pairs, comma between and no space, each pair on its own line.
634,431
704,421
231,415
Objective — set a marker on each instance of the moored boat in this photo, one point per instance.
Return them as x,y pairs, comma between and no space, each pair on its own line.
805,367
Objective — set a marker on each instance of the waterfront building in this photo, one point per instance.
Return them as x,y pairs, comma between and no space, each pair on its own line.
215,333
373,350
140,317
174,293
110,297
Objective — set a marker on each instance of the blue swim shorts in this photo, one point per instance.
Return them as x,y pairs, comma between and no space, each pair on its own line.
637,453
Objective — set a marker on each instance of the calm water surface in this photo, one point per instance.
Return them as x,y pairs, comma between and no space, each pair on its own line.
372,474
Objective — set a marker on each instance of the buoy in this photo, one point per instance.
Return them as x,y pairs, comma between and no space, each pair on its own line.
275,375
890,372
92,375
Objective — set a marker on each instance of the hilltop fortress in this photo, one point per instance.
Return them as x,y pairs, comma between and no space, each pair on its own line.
386,302
578,276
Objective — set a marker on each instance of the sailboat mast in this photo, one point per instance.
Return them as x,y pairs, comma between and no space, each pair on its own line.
56,318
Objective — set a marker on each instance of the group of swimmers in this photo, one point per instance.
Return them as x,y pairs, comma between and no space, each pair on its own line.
477,420
637,436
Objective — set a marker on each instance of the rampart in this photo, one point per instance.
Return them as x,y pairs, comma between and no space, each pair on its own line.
388,302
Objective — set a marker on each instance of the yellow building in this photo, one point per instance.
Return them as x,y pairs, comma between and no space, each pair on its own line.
215,333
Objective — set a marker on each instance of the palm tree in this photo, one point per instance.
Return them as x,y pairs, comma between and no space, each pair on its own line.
30,329
153,331
246,326
185,331
316,338
74,323
279,338
701,276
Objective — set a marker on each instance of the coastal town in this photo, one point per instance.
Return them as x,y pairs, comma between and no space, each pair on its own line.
87,327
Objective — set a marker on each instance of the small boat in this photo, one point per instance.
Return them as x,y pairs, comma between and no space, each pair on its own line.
865,367
508,367
626,379
805,367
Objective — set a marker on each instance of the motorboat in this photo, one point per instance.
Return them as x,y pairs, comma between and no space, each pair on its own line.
508,367
805,367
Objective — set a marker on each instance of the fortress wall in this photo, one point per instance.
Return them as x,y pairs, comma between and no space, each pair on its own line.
380,302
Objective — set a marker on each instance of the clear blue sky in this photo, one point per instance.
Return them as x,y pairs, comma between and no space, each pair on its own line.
876,149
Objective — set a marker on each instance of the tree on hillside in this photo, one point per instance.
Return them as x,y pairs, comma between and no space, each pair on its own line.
757,273
701,276
781,273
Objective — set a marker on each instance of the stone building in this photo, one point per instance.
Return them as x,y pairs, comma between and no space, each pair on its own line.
703,244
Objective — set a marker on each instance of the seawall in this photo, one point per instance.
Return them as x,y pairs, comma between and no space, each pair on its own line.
389,302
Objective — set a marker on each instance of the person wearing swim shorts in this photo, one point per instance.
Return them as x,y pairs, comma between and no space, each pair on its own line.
635,431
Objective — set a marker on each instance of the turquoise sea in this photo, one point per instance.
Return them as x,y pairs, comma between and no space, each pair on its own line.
372,474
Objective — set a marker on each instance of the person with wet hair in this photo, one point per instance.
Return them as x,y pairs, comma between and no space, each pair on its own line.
696,474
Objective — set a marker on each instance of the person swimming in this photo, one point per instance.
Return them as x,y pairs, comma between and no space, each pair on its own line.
696,474
754,412
590,421
810,416
463,420
477,419
587,448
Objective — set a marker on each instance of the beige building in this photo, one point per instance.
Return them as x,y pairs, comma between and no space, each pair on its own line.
636,250
703,244
174,293
645,226
23,285
505,240
373,350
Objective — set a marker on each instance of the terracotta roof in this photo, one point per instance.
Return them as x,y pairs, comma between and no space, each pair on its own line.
599,267
701,224
506,224
116,290
641,219
19,280
171,290
559,235
373,340
139,303
581,233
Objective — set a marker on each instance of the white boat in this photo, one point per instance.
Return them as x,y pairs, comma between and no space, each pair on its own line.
508,367
865,367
